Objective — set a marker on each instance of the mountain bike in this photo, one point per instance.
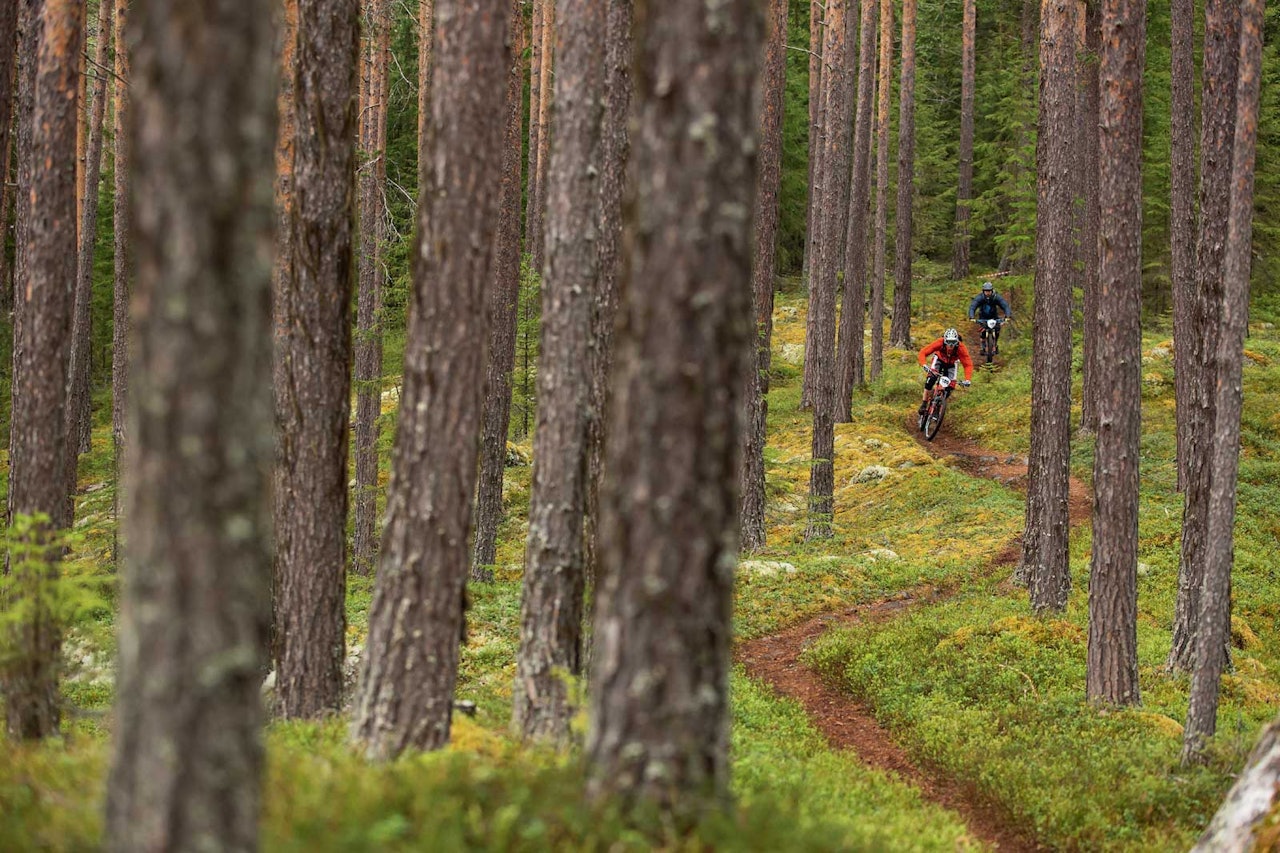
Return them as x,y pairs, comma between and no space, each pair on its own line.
936,409
990,346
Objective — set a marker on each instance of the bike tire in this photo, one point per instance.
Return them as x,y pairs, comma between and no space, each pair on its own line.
934,420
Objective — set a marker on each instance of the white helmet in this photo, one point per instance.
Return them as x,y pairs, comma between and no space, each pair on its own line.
951,338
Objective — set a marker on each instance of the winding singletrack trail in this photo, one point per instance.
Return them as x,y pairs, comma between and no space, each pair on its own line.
847,723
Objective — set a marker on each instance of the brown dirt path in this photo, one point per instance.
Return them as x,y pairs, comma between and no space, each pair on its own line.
848,723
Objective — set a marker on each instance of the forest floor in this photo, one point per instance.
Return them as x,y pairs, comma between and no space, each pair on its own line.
891,689
845,721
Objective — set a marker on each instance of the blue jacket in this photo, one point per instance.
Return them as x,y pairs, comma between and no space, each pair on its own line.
987,309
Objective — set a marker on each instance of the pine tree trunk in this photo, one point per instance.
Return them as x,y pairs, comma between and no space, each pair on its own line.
551,606
616,152
1221,53
964,193
1215,597
535,120
30,25
1044,547
820,343
314,412
900,329
122,272
818,27
8,77
368,343
188,724
660,714
1112,674
504,300
883,86
405,697
78,414
41,332
1182,213
426,72
536,241
1252,798
768,181
849,358
1088,98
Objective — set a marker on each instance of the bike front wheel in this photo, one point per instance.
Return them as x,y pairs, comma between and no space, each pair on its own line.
933,419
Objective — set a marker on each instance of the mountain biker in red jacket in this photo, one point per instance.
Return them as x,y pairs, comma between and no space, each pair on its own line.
946,351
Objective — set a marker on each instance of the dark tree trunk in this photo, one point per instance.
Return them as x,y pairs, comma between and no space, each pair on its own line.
315,411
122,273
30,25
1088,98
551,606
849,357
819,127
415,622
768,181
535,240
41,332
820,342
1112,674
660,714
964,193
1182,213
535,119
883,85
615,144
1252,798
194,620
1196,411
78,415
372,125
900,329
8,77
504,299
1044,546
1224,462
426,72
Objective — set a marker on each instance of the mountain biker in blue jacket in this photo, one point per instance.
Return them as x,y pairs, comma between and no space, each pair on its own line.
987,305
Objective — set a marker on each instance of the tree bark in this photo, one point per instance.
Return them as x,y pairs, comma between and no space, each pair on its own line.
615,154
820,343
1088,98
188,753
504,299
536,242
1254,795
8,78
1112,671
123,270
849,358
768,180
426,71
1044,547
78,414
410,668
42,327
964,192
1182,212
1215,597
368,343
1195,411
535,119
315,411
883,86
551,606
817,147
900,329
659,722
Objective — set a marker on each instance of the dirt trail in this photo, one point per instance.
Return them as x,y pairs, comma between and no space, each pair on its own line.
847,723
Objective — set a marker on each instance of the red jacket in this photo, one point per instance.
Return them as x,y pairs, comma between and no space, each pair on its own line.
961,355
